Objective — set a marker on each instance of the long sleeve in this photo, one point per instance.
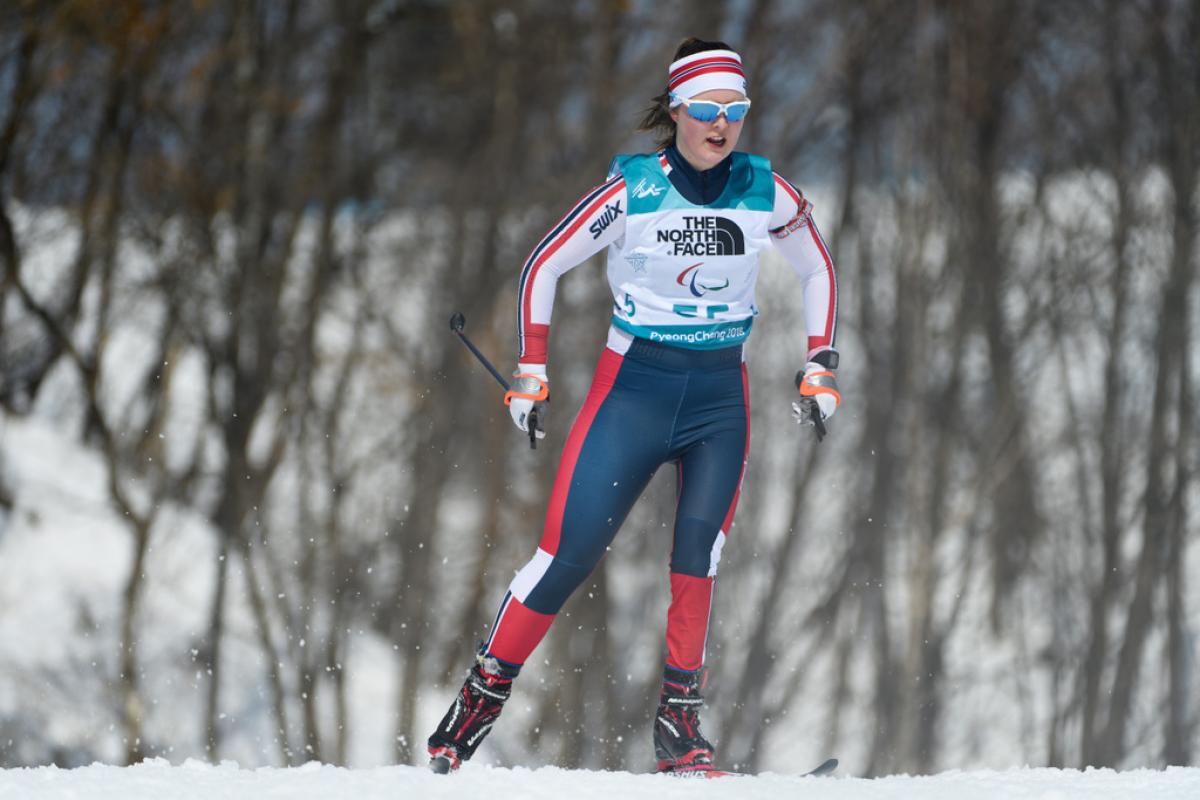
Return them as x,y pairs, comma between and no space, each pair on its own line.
595,222
796,237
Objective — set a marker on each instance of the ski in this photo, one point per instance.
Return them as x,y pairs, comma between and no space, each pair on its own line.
442,765
826,767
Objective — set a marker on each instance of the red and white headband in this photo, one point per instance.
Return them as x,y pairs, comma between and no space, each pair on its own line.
703,72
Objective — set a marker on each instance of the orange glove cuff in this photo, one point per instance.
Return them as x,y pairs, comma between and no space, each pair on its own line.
523,380
812,388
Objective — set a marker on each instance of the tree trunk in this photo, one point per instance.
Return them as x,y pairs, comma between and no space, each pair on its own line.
270,655
133,710
212,653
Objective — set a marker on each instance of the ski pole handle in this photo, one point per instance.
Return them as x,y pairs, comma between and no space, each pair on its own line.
818,423
533,428
457,322
814,412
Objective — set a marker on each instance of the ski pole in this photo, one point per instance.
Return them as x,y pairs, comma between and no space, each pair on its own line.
457,323
814,412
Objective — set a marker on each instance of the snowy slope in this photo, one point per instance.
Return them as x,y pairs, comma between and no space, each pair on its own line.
159,779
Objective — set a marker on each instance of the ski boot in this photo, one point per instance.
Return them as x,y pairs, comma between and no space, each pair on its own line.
680,747
471,716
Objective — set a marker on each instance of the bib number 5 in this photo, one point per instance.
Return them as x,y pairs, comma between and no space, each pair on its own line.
710,311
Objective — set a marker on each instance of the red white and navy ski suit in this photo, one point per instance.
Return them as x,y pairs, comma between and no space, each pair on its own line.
671,385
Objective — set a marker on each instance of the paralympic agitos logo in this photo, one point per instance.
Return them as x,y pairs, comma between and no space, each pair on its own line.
705,236
694,285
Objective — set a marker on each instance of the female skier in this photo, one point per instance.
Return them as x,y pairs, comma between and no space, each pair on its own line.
684,227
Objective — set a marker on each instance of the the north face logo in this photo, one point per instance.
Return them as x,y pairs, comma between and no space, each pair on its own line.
705,236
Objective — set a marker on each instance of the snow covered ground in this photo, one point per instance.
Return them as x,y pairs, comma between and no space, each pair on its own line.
159,779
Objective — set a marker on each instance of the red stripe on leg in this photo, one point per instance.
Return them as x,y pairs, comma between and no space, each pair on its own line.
687,620
518,631
602,382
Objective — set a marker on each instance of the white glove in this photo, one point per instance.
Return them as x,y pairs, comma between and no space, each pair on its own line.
527,396
818,388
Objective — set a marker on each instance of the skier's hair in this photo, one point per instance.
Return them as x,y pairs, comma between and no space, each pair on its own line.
657,118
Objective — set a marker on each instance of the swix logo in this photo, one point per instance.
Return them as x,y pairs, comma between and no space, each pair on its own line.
647,190
694,286
611,212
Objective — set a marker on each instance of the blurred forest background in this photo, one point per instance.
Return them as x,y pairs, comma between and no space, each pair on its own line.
232,233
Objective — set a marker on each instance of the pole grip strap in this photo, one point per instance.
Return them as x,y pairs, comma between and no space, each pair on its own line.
527,386
816,383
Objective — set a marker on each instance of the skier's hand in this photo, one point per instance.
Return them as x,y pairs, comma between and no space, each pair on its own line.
527,396
818,390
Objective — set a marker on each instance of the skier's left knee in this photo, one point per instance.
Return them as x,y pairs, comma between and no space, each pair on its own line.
697,549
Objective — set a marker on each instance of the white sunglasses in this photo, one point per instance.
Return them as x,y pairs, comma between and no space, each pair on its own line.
709,110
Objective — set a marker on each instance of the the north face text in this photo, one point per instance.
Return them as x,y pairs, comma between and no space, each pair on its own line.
705,236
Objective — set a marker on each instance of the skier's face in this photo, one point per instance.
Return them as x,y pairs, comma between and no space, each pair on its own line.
705,144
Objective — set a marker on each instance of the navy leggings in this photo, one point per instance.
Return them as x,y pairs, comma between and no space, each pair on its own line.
654,405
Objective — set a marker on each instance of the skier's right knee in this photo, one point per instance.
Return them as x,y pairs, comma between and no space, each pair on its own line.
545,583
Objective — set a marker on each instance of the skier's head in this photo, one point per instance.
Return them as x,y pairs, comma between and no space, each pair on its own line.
694,111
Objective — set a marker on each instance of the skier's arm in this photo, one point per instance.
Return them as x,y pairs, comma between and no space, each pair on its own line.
595,222
795,235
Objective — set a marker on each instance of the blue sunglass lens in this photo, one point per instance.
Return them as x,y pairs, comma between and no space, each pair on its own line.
707,111
703,110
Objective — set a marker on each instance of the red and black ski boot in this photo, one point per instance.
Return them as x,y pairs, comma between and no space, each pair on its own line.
470,718
681,748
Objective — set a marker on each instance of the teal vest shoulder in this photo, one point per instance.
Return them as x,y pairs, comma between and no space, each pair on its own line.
751,184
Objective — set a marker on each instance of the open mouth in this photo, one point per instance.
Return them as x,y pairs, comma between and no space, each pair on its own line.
716,141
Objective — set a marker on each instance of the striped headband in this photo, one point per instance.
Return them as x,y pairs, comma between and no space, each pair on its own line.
702,72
